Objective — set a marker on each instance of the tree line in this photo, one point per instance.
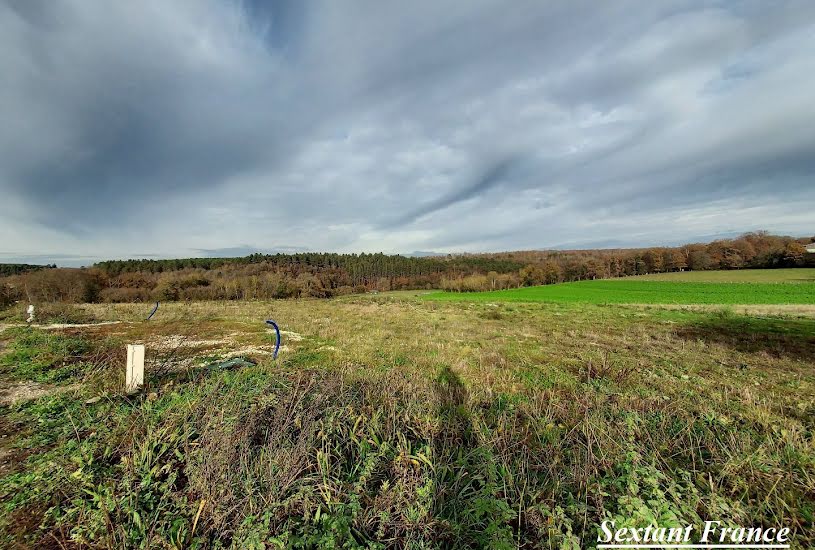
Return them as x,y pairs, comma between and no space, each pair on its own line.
323,275
16,269
755,250
361,269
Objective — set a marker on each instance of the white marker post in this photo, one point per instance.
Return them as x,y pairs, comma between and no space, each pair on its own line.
30,311
134,376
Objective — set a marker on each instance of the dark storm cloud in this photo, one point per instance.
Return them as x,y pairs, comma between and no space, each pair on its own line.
492,176
222,126
141,119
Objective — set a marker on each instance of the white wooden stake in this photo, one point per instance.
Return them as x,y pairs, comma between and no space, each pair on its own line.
134,376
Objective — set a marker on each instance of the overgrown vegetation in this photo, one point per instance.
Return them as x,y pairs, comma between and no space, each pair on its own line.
459,425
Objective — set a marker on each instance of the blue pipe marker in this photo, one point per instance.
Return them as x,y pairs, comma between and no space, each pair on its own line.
155,309
277,330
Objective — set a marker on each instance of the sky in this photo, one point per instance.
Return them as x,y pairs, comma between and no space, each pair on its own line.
185,128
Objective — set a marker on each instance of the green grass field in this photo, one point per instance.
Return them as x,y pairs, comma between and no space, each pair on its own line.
788,275
787,286
393,421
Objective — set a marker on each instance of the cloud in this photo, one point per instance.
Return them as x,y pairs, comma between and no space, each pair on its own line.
246,250
205,126
491,176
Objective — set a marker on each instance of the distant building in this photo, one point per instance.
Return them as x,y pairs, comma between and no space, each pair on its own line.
811,248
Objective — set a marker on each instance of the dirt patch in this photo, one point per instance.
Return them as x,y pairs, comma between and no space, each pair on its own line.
24,521
176,353
177,341
223,347
12,392
12,459
293,336
55,326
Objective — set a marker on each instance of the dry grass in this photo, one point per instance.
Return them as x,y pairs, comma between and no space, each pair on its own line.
408,423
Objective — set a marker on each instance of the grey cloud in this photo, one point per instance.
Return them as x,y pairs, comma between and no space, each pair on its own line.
491,176
195,126
143,117
246,250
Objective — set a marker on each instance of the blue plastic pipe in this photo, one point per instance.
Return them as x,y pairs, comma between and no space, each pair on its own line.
277,343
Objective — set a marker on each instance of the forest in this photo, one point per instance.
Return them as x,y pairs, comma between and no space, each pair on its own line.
324,275
16,269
